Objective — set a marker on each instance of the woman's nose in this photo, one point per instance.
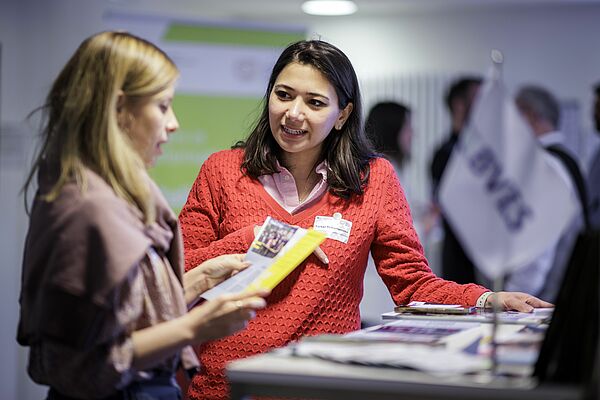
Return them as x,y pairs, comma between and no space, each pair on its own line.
172,123
296,111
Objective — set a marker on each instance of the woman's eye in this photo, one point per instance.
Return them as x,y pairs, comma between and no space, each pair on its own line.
282,94
317,103
163,108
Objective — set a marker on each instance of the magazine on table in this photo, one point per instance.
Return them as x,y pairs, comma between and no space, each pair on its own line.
432,346
407,331
276,251
539,316
422,307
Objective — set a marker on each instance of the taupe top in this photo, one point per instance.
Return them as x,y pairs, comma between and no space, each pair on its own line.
93,273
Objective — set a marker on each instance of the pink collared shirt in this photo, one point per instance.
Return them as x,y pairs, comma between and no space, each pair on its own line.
281,187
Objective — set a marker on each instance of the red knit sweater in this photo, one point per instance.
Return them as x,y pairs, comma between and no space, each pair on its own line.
219,216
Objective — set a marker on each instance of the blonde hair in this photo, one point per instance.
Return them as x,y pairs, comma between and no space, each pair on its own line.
81,129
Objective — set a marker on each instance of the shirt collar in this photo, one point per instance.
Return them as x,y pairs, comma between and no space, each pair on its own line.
320,169
551,138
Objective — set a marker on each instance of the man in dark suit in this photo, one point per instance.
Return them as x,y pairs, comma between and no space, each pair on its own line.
593,178
455,264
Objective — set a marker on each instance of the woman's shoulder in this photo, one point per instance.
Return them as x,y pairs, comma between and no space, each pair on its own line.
226,157
380,167
382,176
222,166
94,205
91,233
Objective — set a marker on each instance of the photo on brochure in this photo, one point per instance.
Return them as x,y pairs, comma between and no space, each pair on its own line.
273,236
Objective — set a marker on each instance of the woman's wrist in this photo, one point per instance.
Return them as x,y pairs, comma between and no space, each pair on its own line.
194,283
153,344
187,324
483,300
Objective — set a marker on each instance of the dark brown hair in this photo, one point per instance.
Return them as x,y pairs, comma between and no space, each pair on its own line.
384,123
347,151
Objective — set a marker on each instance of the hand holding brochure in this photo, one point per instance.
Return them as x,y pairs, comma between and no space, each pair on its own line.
277,249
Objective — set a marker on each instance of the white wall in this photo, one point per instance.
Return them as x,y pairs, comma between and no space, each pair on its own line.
552,45
556,46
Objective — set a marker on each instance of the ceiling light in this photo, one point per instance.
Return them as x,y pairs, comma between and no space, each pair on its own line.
329,7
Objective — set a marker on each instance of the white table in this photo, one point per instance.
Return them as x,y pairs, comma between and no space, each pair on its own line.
285,375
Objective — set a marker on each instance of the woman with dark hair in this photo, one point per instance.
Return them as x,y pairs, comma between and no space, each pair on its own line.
308,163
389,128
347,152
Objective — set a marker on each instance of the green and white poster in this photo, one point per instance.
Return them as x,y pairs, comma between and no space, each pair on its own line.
224,73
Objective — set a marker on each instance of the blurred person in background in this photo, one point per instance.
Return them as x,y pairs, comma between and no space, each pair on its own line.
456,265
593,176
543,276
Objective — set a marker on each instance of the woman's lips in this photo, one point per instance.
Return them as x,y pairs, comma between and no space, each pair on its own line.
294,132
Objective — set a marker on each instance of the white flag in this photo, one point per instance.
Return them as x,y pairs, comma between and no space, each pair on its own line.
500,191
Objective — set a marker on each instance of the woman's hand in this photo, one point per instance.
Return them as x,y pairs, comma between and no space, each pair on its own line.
224,315
317,252
210,273
516,301
212,320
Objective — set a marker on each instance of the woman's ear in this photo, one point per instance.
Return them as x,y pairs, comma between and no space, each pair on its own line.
122,115
343,117
120,101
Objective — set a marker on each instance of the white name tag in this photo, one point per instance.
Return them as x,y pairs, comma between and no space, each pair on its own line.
334,227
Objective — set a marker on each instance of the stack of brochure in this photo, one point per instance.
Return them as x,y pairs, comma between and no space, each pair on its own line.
420,345
433,346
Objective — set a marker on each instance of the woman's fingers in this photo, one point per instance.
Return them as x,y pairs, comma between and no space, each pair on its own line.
518,301
225,265
321,255
226,314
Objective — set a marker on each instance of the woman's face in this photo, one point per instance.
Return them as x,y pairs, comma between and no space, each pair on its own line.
150,123
303,109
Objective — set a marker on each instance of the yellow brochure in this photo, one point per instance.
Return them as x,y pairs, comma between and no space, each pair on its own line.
286,262
277,249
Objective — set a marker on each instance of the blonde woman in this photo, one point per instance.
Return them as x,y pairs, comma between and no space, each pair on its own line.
103,305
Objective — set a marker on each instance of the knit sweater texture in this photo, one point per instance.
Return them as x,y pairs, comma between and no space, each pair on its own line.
219,216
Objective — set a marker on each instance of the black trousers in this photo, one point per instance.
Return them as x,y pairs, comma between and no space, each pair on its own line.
157,388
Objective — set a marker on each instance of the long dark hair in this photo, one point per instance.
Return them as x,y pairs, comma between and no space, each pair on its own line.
383,125
347,151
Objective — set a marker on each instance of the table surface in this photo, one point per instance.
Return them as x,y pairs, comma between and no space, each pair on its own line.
284,375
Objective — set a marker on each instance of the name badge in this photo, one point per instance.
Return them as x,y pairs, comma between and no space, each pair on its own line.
334,227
